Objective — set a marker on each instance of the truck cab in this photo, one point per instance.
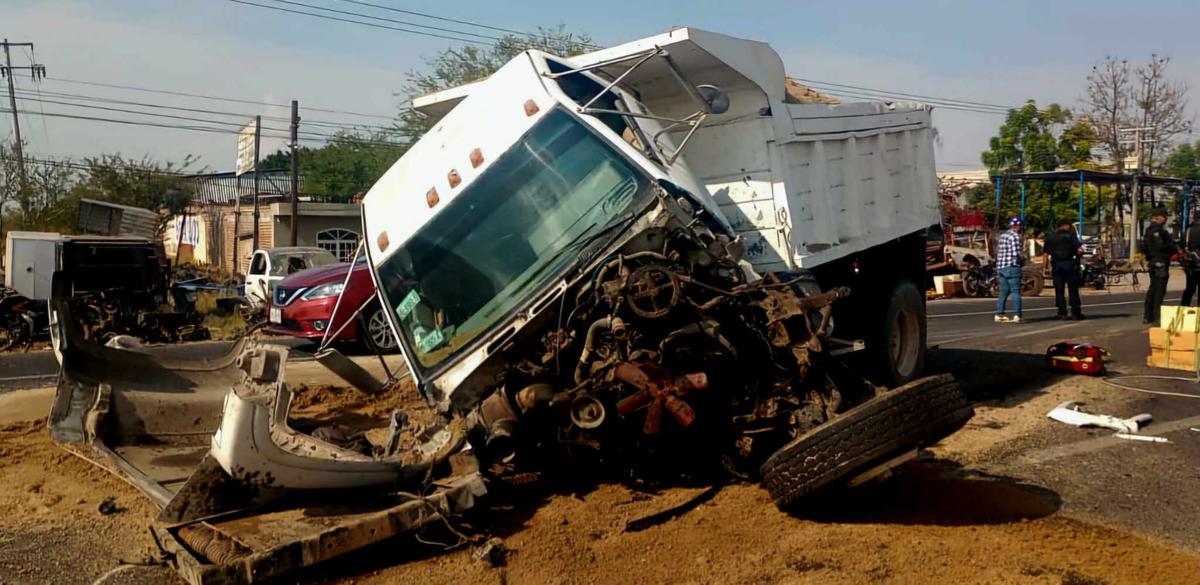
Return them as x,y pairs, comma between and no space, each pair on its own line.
470,228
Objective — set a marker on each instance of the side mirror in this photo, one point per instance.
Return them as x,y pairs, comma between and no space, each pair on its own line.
717,100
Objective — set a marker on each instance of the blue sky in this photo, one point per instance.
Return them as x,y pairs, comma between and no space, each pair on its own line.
986,51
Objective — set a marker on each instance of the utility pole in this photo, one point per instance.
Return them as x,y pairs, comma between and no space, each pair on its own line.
295,172
1135,196
36,71
257,138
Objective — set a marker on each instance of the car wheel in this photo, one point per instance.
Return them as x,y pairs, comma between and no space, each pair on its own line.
376,332
914,415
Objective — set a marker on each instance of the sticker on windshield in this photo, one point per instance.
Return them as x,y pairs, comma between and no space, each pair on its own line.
427,342
409,303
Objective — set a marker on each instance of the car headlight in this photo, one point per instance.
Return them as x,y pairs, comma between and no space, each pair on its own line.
324,291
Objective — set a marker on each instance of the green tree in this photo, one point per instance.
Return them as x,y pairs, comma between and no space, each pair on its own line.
346,165
462,65
141,183
42,202
1184,161
1033,139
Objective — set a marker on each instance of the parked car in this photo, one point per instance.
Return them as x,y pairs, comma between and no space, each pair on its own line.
302,305
268,267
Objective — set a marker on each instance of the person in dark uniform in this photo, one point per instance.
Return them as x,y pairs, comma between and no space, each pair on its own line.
1159,246
1063,251
1191,262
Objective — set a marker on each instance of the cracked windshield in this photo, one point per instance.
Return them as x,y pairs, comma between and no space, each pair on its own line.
495,243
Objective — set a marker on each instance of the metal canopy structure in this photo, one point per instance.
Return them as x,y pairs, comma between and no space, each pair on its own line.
1099,178
1096,177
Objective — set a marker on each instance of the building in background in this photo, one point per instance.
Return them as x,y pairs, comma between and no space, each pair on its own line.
205,233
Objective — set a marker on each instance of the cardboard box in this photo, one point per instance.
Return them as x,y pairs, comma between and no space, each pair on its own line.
1179,318
1174,359
1177,341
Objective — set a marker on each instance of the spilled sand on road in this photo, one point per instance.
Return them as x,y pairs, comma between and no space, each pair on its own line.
933,522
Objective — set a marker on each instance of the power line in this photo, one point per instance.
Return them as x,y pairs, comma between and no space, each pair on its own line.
456,21
371,24
230,127
380,18
239,115
236,125
486,39
911,95
215,98
869,97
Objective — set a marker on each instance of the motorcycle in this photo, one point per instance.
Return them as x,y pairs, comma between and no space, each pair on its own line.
1093,274
982,280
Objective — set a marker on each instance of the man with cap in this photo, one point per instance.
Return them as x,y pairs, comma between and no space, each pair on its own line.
1063,251
1158,246
1008,271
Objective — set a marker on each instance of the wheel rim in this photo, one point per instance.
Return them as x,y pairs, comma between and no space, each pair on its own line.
904,345
379,332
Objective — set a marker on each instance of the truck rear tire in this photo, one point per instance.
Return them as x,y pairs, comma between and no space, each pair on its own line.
900,344
911,416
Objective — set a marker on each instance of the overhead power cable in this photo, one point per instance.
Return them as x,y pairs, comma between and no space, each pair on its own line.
479,39
359,22
311,137
215,98
238,115
456,21
909,95
391,20
869,97
235,125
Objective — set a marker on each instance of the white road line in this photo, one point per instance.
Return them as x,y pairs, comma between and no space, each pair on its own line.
33,377
1140,302
1046,330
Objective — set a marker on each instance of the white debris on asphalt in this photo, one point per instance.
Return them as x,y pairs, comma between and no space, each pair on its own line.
1146,438
1068,412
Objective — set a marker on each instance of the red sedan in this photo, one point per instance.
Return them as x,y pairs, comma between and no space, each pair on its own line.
302,306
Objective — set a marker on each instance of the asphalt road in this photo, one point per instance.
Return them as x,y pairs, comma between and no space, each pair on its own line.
1151,488
39,368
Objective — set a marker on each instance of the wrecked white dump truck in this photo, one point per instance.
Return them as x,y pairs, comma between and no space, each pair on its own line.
647,262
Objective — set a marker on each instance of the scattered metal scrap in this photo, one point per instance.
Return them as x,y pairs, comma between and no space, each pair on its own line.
22,320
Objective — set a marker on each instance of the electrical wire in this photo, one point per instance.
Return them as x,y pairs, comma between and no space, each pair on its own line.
233,128
909,95
441,18
359,22
240,115
1110,382
214,98
383,19
480,39
466,22
238,125
869,97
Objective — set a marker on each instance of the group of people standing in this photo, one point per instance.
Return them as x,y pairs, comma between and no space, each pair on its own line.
1064,251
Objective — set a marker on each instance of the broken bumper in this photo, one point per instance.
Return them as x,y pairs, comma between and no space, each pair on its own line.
243,497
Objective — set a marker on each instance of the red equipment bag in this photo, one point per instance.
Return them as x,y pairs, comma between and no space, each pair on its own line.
1079,358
